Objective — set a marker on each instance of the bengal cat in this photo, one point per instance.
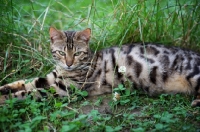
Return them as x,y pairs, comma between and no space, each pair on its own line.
154,68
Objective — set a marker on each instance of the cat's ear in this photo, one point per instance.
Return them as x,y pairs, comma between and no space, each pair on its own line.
54,34
84,35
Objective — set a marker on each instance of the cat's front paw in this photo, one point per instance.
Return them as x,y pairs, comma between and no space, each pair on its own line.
4,90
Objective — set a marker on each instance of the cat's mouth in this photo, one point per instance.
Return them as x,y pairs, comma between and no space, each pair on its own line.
69,68
73,67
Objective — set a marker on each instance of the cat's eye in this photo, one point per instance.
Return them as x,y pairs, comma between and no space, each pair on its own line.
61,53
77,53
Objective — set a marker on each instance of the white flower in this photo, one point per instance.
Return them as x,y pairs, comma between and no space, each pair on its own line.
116,96
114,99
122,69
34,90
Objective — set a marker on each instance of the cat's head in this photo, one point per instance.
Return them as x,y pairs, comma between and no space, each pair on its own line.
70,49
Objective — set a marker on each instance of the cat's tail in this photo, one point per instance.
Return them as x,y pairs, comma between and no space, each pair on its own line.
196,102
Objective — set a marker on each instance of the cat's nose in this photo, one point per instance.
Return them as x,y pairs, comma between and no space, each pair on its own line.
69,63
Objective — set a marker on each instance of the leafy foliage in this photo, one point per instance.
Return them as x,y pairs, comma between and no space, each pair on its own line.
25,53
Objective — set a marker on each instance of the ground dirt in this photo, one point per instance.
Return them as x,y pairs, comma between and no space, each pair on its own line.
102,106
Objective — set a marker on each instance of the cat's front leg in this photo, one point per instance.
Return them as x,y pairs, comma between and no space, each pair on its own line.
12,87
19,89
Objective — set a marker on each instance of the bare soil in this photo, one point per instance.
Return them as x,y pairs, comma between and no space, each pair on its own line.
103,107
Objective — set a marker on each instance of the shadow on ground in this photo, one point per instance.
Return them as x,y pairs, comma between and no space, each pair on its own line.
103,104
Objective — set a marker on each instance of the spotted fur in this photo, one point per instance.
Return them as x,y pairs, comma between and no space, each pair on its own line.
154,68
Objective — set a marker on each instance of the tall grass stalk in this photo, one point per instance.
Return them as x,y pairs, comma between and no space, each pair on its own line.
25,53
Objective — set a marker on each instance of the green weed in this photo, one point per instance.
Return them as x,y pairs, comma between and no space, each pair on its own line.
25,53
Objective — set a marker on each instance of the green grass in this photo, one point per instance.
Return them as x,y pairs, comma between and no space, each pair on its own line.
25,53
